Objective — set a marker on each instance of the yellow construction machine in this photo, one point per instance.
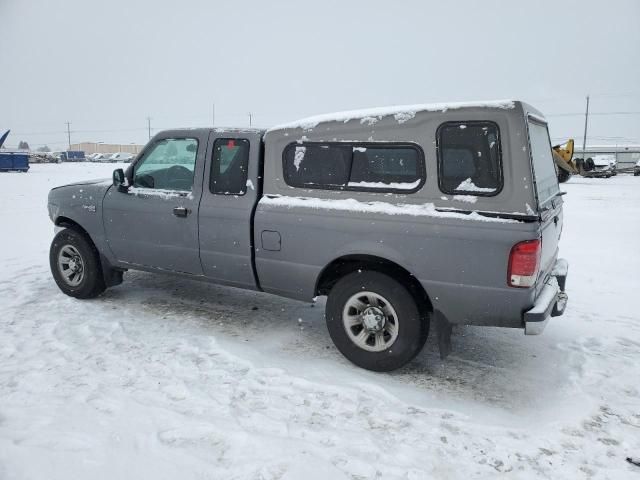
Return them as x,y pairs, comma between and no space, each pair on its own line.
566,165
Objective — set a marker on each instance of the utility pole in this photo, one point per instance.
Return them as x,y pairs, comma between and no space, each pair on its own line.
149,126
586,121
213,115
250,118
69,133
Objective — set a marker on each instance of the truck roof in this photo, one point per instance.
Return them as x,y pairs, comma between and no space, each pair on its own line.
401,113
218,130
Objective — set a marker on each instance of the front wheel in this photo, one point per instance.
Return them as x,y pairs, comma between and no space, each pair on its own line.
75,265
374,321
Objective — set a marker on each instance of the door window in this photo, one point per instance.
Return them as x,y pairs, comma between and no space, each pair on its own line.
229,166
169,165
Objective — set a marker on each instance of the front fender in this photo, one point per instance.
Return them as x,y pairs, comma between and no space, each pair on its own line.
81,205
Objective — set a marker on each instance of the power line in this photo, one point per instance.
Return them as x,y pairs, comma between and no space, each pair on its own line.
592,113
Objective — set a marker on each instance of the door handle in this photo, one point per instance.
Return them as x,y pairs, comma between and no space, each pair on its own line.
180,211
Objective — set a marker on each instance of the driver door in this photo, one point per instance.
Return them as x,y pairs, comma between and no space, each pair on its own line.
154,224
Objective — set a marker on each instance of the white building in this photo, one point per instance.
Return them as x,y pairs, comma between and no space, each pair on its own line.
626,155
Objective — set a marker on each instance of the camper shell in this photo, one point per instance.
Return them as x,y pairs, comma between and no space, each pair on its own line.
456,245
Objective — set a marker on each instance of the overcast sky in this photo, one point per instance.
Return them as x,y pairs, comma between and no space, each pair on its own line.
107,65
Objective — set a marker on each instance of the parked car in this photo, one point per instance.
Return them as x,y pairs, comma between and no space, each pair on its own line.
604,166
636,169
404,217
101,157
55,157
121,157
96,157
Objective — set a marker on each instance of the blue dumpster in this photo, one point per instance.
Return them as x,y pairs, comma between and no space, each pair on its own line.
14,161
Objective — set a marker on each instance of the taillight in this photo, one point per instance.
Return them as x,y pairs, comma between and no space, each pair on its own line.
524,261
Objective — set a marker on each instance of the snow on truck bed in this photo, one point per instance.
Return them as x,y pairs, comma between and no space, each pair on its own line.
166,378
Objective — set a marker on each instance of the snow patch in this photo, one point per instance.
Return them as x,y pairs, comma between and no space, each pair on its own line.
466,198
393,185
469,186
353,205
402,117
299,156
159,192
401,113
368,120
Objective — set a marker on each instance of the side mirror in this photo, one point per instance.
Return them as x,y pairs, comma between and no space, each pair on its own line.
118,180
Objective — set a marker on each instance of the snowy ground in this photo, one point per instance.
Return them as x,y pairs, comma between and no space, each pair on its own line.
165,378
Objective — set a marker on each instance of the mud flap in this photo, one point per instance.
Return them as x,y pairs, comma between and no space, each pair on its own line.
443,331
112,276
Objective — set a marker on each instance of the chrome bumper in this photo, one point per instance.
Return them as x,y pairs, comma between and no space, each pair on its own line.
551,302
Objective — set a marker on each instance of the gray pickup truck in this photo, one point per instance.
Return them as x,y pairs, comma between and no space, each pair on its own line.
401,216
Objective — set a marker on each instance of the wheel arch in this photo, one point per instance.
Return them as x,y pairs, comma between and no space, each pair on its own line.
112,275
67,222
346,264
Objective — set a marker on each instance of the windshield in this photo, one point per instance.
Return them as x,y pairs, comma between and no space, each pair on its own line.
542,160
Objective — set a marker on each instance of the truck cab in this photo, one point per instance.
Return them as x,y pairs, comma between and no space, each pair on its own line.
196,192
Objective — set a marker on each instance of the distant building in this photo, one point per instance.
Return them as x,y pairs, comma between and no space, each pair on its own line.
626,155
92,147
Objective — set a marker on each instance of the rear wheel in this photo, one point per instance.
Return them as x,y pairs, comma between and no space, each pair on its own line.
75,265
375,321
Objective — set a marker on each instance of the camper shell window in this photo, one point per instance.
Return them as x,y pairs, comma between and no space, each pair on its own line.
386,167
544,169
469,158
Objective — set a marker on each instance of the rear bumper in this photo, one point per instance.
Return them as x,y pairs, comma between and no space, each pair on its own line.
551,302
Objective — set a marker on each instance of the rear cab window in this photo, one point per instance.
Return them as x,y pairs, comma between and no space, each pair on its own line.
469,158
386,167
544,170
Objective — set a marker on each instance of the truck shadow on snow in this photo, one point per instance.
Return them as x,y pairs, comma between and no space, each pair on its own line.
501,367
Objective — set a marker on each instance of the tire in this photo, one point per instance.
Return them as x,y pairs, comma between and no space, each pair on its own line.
76,249
374,291
563,175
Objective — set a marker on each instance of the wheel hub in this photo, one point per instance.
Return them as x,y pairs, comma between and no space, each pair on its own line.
373,319
370,321
74,265
71,265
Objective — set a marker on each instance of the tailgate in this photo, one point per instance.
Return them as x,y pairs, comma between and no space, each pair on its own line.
548,195
551,228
